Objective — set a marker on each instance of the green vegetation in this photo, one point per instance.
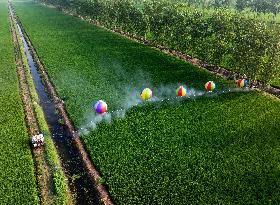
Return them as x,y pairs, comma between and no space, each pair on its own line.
213,150
270,6
85,62
17,179
61,195
265,6
208,151
240,41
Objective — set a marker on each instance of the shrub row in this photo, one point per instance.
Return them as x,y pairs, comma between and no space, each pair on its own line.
234,40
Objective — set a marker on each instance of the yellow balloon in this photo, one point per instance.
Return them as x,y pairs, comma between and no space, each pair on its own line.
146,94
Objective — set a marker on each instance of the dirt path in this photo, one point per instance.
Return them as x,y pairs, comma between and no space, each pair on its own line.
44,180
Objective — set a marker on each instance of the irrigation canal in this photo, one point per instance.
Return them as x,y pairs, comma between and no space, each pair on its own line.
80,183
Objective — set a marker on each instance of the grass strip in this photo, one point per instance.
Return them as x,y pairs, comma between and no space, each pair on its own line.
18,182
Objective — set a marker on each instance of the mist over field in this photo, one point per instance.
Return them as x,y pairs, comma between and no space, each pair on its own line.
166,93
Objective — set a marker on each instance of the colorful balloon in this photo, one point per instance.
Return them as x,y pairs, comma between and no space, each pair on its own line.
210,86
146,94
181,91
242,83
100,107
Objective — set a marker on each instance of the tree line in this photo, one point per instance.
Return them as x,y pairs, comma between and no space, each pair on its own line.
266,6
234,40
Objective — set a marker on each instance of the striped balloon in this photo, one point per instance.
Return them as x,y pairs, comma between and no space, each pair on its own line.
181,91
242,83
210,86
146,94
100,107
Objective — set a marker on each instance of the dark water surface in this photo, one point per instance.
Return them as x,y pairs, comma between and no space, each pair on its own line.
80,183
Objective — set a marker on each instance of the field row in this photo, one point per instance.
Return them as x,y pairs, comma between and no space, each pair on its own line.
216,149
17,178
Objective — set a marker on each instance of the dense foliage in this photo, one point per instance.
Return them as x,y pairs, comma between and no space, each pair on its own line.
216,150
17,178
271,6
233,40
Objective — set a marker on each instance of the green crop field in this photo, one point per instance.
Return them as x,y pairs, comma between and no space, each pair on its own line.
214,149
17,177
